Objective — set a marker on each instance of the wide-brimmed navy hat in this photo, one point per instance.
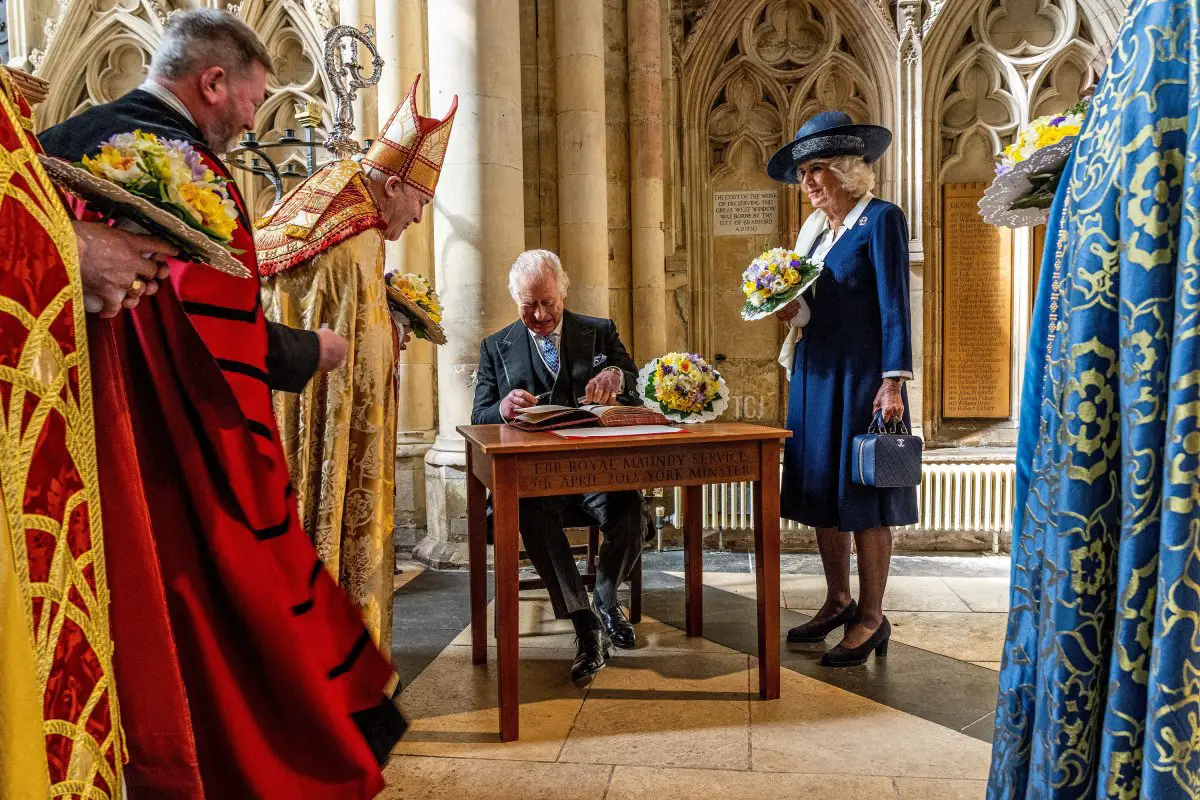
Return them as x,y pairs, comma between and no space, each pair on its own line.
826,135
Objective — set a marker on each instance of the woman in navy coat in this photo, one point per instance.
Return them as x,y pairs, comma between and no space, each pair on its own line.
852,354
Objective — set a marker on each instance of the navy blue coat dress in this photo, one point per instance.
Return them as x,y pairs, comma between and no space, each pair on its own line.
859,329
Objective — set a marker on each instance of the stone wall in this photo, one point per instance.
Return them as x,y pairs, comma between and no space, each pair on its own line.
953,80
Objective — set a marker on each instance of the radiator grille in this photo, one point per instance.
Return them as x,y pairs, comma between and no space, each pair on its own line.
969,496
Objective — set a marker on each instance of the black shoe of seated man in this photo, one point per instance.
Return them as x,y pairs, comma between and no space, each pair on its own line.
619,629
592,651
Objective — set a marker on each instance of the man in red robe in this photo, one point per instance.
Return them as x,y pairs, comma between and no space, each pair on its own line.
244,671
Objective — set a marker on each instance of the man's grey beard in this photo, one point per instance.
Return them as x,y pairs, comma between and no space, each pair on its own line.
222,135
221,140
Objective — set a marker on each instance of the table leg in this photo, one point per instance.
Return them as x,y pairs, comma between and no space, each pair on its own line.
766,569
477,551
693,560
505,535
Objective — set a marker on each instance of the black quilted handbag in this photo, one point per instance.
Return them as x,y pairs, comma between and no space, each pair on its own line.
887,456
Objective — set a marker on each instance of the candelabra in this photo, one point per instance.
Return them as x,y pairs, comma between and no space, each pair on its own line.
253,155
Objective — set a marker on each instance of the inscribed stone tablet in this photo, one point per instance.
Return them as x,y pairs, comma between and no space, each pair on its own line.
746,213
977,315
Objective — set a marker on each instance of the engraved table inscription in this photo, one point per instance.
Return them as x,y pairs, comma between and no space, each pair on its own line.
640,468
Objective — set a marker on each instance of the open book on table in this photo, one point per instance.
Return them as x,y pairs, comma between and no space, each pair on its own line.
548,418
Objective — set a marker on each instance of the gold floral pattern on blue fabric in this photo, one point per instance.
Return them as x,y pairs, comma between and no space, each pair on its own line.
1100,680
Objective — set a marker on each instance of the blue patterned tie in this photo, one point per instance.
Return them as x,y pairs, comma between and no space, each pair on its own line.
549,353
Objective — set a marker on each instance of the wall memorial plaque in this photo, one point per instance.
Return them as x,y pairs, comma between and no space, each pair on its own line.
977,287
746,213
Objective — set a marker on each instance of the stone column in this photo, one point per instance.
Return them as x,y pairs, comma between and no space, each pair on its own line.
910,121
479,229
402,43
25,33
353,13
646,178
910,154
582,179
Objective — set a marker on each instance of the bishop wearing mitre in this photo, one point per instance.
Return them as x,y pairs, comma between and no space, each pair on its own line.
321,258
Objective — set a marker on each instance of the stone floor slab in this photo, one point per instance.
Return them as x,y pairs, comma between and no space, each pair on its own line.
647,783
408,571
538,629
818,728
803,592
537,626
453,707
666,709
742,583
967,637
982,594
414,778
940,789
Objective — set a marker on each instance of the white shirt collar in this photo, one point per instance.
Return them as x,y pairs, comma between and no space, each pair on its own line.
856,212
167,96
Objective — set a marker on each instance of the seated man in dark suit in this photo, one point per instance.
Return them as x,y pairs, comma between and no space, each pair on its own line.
551,356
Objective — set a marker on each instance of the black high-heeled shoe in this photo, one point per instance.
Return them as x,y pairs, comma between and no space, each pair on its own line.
857,656
813,631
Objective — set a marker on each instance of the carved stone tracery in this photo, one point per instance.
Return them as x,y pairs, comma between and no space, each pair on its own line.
1017,59
789,61
96,51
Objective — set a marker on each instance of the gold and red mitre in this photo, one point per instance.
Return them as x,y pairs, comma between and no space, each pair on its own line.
412,147
332,204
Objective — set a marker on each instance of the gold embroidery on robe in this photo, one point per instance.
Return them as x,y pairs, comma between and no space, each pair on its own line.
340,433
60,730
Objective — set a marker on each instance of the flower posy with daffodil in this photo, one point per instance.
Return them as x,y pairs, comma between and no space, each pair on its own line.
774,279
1029,169
683,387
171,175
411,295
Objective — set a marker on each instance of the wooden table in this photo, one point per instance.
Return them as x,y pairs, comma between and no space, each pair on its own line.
515,464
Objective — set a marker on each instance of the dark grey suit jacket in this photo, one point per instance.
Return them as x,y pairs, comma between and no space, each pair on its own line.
591,345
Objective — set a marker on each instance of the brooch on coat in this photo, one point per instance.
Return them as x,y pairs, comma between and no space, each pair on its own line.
862,221
599,359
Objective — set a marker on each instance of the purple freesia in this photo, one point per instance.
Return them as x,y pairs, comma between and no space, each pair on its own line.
190,157
119,140
1058,121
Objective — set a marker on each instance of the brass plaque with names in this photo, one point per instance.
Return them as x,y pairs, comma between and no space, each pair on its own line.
686,465
977,286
